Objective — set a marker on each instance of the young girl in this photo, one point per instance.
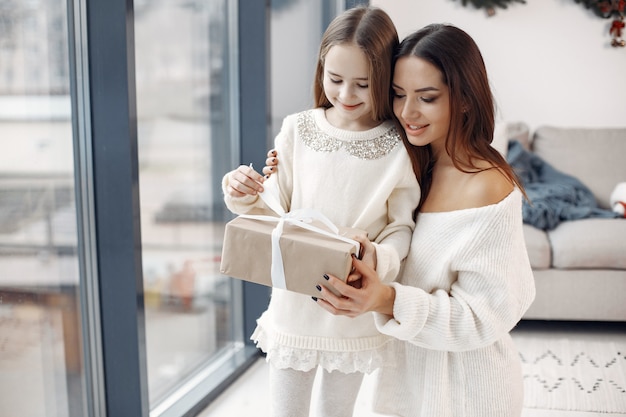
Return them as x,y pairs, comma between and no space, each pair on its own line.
467,280
346,159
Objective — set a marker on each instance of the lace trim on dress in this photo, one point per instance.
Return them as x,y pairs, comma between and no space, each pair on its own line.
283,357
320,141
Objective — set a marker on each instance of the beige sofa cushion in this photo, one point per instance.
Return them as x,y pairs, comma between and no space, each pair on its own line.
538,247
589,244
593,155
505,131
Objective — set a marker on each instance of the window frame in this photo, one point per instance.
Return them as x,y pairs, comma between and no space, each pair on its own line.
101,37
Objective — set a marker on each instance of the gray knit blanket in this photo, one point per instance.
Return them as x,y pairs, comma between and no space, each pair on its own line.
554,196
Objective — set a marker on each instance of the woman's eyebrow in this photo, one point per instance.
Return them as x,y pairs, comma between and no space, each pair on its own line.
418,90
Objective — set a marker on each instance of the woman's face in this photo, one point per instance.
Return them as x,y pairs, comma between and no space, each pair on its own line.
421,101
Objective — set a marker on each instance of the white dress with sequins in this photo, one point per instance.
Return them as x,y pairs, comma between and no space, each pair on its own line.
360,179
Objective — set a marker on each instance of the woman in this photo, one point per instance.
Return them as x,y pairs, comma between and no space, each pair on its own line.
467,280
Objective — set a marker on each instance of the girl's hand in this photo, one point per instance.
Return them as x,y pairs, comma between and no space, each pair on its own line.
244,181
271,163
367,255
373,295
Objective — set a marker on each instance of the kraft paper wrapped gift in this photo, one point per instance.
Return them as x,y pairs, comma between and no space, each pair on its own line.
306,254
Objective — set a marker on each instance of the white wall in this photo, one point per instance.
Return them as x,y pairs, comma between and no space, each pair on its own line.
549,61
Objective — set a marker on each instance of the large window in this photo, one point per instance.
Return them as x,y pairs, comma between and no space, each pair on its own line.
115,131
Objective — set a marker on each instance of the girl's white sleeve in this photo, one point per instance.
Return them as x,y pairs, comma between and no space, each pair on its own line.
392,243
493,290
253,204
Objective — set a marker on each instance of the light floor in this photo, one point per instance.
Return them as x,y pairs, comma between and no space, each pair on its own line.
248,395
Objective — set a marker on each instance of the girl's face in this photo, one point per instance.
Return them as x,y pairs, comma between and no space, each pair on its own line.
346,85
421,101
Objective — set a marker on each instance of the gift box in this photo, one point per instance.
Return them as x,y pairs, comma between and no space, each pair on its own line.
307,248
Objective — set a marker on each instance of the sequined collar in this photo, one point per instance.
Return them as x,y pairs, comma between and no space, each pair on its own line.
313,137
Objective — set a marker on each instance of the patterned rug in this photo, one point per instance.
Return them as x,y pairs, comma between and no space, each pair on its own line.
562,374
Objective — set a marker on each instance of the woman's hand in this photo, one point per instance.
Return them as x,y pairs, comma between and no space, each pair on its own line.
373,295
244,181
271,163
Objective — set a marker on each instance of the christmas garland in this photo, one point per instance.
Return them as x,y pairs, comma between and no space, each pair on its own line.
605,9
608,9
490,5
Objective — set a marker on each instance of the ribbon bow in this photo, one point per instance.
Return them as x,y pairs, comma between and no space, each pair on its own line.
300,218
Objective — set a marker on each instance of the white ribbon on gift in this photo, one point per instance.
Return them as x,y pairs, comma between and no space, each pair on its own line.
301,218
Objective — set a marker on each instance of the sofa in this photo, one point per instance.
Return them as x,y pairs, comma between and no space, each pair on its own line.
580,265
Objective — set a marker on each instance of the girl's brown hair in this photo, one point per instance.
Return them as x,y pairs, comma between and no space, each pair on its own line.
472,108
372,30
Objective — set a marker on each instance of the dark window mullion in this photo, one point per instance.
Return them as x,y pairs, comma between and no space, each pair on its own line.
254,87
110,31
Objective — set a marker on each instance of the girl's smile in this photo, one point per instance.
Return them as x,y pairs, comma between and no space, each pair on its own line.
346,85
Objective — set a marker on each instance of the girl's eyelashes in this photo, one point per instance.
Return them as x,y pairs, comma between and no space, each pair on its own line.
339,81
428,99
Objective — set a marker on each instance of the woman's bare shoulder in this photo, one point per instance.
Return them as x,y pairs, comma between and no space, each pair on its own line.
487,187
458,190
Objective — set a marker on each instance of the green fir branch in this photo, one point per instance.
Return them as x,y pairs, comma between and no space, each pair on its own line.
602,8
491,4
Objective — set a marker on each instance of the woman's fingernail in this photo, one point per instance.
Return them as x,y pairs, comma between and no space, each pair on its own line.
326,277
314,299
319,288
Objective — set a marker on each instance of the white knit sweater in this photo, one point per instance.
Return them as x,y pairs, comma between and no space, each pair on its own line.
357,179
466,283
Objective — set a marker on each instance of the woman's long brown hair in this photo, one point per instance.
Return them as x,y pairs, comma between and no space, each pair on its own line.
472,108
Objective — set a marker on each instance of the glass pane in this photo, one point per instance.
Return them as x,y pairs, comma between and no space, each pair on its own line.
41,373
184,147
292,85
